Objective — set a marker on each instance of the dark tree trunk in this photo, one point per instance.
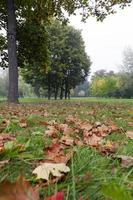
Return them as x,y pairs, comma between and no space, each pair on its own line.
49,86
56,92
61,93
66,89
12,53
68,93
68,86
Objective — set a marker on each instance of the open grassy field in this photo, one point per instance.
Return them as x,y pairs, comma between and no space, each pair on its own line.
91,136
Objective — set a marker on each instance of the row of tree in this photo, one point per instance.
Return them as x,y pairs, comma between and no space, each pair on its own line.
68,66
25,25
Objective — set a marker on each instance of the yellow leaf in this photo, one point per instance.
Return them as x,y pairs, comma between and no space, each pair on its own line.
43,171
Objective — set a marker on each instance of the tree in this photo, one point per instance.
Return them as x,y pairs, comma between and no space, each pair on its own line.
69,64
3,52
127,62
102,73
126,89
106,86
12,52
14,11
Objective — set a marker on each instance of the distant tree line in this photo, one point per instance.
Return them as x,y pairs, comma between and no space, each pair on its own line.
110,84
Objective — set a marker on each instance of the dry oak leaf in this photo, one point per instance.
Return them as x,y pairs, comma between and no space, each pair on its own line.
129,134
56,196
20,190
67,140
43,171
56,154
52,131
63,158
93,140
86,126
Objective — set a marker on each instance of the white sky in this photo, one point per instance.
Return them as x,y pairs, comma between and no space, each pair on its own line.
105,41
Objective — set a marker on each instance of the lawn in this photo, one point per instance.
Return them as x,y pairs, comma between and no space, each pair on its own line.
89,135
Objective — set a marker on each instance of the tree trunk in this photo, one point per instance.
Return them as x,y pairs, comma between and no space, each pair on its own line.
12,53
49,86
68,93
56,92
66,89
61,92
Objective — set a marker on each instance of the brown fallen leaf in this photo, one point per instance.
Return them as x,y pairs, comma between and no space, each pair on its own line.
6,137
55,153
52,131
63,157
126,161
67,140
129,134
3,139
108,148
113,128
93,141
20,190
85,126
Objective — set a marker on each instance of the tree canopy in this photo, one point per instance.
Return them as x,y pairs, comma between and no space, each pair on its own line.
69,64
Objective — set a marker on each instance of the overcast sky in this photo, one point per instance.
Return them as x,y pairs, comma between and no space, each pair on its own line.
105,41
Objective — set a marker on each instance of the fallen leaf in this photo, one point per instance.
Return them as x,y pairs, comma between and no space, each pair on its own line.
129,134
23,123
20,190
97,124
126,161
43,171
6,137
86,126
56,196
52,131
55,153
93,140
113,128
67,140
109,147
3,139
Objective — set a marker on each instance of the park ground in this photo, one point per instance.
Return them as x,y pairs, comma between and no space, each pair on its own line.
93,137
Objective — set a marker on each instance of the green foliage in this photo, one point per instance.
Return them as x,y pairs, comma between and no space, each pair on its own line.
68,66
31,12
25,90
105,86
116,192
